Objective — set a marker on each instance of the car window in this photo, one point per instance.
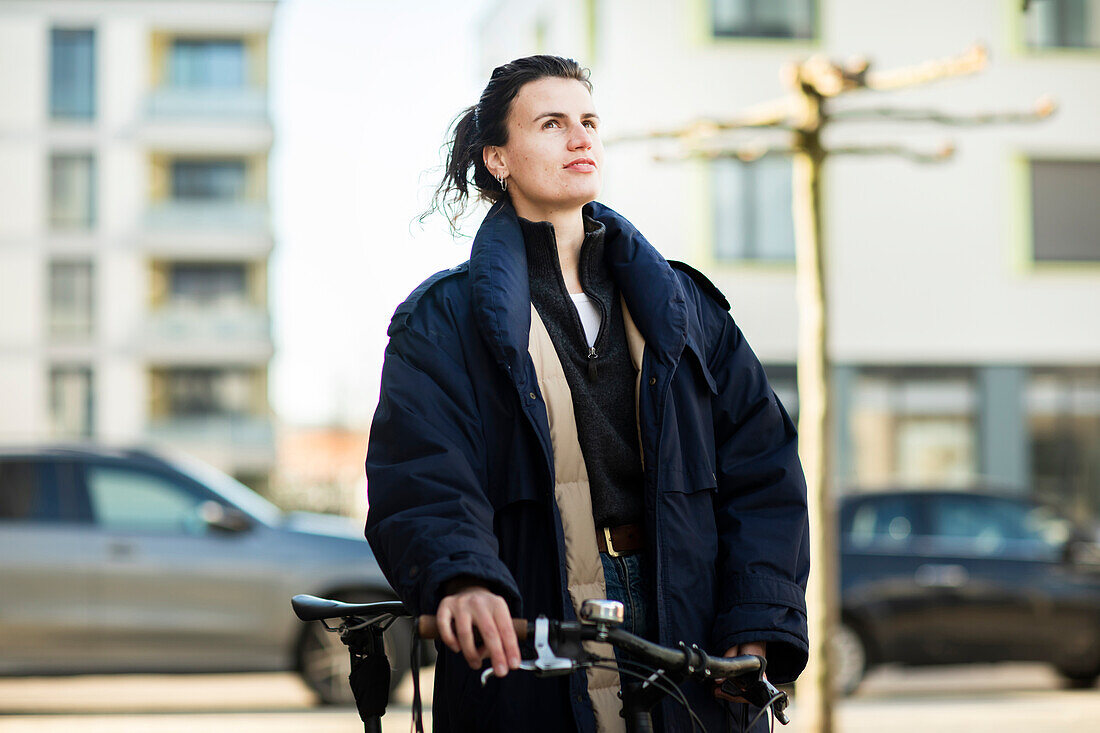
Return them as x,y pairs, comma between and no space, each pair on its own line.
988,527
136,500
24,495
881,524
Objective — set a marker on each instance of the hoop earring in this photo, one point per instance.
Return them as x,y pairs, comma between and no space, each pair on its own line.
503,183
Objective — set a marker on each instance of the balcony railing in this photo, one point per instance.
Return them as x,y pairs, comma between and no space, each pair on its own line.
221,430
178,214
234,323
180,103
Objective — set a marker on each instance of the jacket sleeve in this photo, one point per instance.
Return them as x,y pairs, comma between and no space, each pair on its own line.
760,512
429,520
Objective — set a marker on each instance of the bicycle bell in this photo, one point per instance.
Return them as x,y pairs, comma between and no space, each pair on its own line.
609,613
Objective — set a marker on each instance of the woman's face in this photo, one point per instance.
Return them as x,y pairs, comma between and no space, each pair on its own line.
551,126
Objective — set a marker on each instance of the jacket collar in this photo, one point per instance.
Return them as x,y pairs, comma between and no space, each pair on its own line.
501,295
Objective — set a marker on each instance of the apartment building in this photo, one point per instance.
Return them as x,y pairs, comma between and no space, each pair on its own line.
964,295
134,226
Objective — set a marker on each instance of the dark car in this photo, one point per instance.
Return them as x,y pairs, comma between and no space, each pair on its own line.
939,577
128,561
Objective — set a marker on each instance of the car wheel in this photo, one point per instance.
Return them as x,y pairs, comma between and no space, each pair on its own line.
323,660
849,657
1077,679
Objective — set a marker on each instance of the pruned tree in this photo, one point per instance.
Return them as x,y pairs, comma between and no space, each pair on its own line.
804,115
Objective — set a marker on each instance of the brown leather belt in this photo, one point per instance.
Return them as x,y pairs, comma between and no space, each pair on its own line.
620,540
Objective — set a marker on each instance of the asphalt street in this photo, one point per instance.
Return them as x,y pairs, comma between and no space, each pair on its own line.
1000,698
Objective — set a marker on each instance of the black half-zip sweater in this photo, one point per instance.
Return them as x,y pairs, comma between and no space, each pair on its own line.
601,378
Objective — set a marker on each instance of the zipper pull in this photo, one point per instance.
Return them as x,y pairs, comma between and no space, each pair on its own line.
592,356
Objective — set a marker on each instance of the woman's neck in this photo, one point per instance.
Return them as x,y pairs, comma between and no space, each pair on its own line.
568,235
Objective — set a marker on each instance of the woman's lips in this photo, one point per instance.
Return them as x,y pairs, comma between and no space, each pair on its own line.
581,167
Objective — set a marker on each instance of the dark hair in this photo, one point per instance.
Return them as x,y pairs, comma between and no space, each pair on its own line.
485,124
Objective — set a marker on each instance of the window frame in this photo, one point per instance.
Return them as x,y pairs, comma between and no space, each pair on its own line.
52,112
91,221
1016,25
711,171
1022,242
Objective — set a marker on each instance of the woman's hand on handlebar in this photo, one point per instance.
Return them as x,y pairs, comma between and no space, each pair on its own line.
757,648
473,607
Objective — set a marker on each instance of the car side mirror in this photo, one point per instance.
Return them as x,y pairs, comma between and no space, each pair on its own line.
224,518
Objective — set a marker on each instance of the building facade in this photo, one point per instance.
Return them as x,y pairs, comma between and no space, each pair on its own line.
134,226
963,295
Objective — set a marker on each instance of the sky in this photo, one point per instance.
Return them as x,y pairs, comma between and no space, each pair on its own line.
362,94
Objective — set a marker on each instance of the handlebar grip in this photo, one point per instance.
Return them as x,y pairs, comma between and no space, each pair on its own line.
428,629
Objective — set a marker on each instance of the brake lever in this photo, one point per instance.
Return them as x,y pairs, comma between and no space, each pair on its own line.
759,692
546,664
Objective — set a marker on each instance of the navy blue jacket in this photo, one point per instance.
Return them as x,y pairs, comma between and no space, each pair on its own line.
460,473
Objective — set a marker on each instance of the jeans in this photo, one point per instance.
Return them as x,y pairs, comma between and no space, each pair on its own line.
628,583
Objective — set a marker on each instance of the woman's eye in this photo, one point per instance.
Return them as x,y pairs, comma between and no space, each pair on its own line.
550,122
590,123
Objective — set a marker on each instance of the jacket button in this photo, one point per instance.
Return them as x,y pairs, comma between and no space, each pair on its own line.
414,570
532,395
652,381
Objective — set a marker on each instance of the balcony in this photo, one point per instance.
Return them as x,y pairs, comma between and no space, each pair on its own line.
208,215
237,442
182,103
196,334
214,229
207,120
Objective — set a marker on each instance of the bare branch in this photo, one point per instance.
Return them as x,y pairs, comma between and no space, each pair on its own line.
946,151
774,114
745,154
970,62
1044,107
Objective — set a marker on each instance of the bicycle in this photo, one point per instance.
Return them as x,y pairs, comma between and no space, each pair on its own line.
650,673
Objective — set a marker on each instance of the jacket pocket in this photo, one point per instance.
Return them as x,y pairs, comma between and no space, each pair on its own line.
689,451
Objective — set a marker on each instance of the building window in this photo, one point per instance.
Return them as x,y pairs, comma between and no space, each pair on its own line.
207,64
205,392
764,18
1064,215
72,73
914,426
752,205
208,180
72,191
1062,24
1063,416
72,299
71,401
208,284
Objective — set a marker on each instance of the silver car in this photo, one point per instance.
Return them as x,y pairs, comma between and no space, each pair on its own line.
127,561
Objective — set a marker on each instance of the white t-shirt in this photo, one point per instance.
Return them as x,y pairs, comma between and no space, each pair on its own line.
590,316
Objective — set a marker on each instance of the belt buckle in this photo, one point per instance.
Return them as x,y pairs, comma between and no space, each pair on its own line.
610,548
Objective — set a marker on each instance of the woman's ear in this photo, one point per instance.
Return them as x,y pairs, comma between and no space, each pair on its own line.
493,158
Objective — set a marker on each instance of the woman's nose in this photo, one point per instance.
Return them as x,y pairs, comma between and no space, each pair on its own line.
581,137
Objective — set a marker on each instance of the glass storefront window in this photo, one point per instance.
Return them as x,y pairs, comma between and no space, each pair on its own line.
914,426
1063,415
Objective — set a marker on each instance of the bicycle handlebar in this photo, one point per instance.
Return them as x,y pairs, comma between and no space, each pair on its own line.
692,660
428,628
689,661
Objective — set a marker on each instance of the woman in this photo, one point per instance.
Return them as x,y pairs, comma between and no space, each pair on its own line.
568,415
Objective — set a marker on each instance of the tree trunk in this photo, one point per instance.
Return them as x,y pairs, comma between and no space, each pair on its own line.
814,694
